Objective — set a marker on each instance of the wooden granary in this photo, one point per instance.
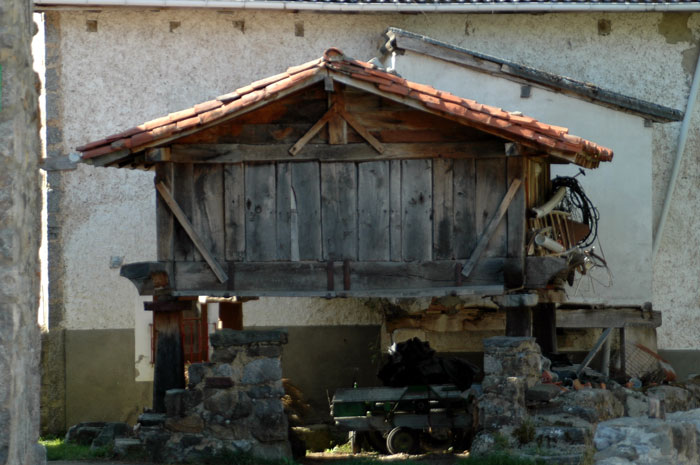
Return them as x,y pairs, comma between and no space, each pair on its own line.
338,178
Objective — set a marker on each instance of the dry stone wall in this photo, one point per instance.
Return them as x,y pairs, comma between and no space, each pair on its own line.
231,405
19,239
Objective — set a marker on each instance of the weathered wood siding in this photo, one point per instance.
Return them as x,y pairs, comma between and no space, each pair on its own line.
413,210
401,218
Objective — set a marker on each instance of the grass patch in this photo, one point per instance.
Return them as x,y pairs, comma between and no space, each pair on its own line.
59,449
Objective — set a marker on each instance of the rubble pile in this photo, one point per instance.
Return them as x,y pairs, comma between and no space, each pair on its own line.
564,413
231,405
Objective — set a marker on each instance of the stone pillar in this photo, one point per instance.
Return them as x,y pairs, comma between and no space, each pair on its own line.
231,404
511,366
20,228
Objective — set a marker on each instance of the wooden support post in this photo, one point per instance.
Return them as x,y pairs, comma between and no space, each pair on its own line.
337,127
169,370
544,327
623,355
519,321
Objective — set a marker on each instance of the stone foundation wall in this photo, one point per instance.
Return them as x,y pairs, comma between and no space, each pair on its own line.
231,404
20,207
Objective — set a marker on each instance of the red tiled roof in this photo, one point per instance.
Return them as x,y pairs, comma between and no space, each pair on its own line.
511,126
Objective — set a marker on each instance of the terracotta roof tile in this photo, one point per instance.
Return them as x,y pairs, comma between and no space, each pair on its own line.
182,114
206,106
187,123
371,78
228,97
158,122
511,126
164,130
304,67
395,88
423,88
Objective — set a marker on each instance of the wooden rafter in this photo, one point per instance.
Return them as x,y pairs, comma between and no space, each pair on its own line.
336,117
313,131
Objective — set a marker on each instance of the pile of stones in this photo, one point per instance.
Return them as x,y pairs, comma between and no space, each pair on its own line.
523,409
231,405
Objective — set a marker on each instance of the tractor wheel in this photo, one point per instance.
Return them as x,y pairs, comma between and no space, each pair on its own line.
402,441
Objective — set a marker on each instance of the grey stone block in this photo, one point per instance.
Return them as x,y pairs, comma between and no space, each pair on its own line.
266,391
174,402
196,373
266,350
152,419
109,433
232,337
84,433
262,371
124,447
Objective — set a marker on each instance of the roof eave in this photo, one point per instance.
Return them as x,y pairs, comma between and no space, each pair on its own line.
405,40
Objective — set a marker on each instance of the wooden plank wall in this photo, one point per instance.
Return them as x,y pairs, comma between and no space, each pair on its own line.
385,210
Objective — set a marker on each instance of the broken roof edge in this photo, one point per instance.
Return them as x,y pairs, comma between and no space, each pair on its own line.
493,65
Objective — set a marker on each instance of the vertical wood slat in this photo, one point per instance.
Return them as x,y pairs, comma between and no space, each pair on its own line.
490,188
339,210
373,211
207,211
514,268
284,211
307,190
183,193
260,204
417,204
443,209
165,226
464,207
395,223
234,212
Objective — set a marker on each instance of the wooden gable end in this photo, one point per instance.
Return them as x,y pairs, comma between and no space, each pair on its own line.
382,199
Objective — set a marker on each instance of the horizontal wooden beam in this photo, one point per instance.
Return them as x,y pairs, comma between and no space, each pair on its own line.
485,320
169,305
311,278
616,317
240,153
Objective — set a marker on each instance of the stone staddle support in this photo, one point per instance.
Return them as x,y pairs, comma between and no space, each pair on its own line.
511,366
232,403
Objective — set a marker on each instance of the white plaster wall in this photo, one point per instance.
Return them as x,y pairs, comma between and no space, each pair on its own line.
134,69
621,190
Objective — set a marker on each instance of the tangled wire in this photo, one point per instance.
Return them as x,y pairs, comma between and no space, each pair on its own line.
577,203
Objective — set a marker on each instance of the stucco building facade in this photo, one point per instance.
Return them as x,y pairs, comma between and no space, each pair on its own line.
109,67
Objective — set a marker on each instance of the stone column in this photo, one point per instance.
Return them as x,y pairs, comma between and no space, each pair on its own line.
20,230
511,366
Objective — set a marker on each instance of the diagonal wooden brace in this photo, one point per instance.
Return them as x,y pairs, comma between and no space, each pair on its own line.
187,226
492,224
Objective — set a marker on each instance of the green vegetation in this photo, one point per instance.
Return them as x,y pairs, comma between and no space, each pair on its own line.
525,433
58,449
